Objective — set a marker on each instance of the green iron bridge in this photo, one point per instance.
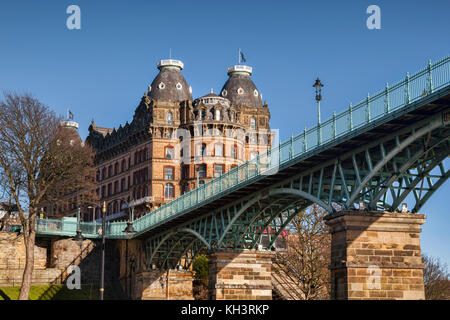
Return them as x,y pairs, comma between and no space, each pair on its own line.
373,155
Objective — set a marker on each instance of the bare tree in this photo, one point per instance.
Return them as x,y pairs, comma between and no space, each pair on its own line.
36,157
436,279
307,256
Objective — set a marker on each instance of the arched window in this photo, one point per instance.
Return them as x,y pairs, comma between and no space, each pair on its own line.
252,123
202,150
169,118
169,191
218,115
202,114
169,153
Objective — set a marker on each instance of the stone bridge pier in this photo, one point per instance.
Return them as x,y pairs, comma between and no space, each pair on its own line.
240,275
376,255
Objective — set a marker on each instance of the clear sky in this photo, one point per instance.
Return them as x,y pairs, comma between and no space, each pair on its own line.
101,71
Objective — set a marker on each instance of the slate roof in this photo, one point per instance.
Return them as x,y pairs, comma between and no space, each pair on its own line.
237,81
170,77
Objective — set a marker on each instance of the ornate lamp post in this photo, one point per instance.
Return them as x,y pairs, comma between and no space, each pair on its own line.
102,271
79,236
318,86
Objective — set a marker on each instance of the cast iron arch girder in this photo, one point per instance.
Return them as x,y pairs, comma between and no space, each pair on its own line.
434,124
157,242
411,162
423,175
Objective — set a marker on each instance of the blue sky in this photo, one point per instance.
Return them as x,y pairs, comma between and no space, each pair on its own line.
101,71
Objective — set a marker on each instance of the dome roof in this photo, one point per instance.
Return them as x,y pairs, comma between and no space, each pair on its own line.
240,89
169,84
211,99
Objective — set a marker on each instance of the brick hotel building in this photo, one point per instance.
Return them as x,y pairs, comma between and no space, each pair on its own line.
174,143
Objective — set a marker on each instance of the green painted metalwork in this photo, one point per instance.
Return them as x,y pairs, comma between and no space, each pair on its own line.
365,174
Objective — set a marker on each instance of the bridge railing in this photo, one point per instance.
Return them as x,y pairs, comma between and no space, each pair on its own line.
389,100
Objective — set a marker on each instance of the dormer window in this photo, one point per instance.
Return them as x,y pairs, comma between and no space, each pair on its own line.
218,115
161,85
179,86
240,91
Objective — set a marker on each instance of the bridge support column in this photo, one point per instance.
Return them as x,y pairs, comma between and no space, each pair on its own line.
376,255
240,275
164,285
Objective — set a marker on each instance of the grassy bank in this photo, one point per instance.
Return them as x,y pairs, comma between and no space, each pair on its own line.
61,292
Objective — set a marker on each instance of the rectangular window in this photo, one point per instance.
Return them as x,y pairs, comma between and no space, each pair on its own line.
201,170
218,170
168,173
122,184
186,172
218,150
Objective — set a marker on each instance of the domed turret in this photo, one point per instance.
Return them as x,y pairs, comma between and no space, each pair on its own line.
240,89
169,84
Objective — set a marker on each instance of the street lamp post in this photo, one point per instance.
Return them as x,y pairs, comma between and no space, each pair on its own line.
129,230
79,236
102,271
318,86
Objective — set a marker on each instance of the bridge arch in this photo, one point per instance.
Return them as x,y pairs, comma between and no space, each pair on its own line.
173,238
